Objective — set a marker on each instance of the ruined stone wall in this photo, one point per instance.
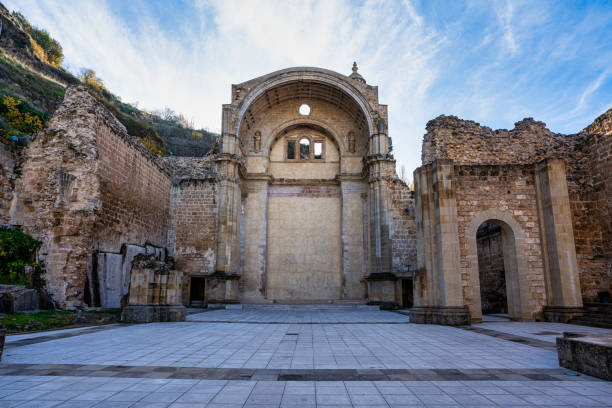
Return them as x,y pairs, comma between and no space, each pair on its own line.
8,158
404,229
467,142
589,176
58,195
509,191
588,170
134,189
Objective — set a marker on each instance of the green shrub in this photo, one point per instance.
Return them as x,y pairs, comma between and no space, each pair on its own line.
18,250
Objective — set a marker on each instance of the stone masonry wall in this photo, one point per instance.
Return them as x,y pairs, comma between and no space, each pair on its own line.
58,195
7,181
587,156
134,189
404,229
507,189
196,215
88,187
193,213
590,190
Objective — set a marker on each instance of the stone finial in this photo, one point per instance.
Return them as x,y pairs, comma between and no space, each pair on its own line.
355,75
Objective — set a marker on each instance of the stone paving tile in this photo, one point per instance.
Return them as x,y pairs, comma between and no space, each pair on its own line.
311,394
318,346
346,316
543,331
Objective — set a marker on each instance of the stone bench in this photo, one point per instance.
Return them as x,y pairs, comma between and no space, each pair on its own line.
588,353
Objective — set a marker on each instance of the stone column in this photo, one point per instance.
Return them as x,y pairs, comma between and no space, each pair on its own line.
559,252
438,290
381,171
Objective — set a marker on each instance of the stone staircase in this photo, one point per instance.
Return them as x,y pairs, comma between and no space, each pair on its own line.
595,315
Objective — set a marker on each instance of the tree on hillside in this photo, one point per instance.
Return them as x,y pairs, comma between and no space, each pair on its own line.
53,52
88,77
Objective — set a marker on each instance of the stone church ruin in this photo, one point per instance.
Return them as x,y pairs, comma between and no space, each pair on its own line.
300,203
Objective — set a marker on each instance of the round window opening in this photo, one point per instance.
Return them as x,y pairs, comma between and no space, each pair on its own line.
304,110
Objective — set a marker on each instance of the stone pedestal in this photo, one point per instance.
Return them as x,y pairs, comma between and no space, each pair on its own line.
588,353
155,292
382,290
222,288
448,316
561,314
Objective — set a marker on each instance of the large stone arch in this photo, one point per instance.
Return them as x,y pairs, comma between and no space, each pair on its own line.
514,240
321,76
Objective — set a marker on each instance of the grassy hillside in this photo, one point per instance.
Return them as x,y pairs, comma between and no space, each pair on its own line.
31,88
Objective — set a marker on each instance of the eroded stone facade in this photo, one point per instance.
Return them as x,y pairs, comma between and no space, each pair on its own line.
550,194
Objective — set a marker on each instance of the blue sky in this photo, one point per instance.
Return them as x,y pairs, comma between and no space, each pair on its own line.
494,61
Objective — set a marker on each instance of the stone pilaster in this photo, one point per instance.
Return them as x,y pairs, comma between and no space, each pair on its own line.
230,166
353,238
380,165
438,293
253,287
559,252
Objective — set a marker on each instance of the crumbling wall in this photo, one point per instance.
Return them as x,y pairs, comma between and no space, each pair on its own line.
467,142
88,190
404,229
590,190
8,159
58,195
588,159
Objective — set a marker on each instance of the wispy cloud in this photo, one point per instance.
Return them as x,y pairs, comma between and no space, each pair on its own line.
490,61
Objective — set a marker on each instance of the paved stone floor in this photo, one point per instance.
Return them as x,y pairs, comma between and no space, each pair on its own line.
295,358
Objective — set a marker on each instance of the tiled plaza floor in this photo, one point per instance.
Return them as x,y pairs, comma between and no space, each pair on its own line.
201,363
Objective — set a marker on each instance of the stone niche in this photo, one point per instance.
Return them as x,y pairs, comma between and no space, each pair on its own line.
155,292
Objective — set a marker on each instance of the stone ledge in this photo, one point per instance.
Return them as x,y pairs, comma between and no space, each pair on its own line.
153,313
588,353
447,316
561,314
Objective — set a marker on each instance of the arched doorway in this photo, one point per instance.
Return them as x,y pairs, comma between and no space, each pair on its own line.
498,269
491,271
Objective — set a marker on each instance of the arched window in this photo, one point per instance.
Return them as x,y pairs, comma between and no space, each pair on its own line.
304,149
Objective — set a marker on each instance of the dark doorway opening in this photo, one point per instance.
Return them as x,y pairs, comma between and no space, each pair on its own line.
491,268
407,295
196,295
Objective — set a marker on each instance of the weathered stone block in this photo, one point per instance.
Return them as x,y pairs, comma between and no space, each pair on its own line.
447,316
588,353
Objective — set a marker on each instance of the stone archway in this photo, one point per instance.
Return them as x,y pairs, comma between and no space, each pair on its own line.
513,240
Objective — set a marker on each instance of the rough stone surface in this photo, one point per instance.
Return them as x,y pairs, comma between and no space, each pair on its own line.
8,160
588,353
86,185
15,298
155,292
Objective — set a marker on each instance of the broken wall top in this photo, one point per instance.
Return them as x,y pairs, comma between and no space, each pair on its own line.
467,142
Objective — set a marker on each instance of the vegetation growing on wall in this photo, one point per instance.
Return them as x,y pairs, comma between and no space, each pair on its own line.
18,251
